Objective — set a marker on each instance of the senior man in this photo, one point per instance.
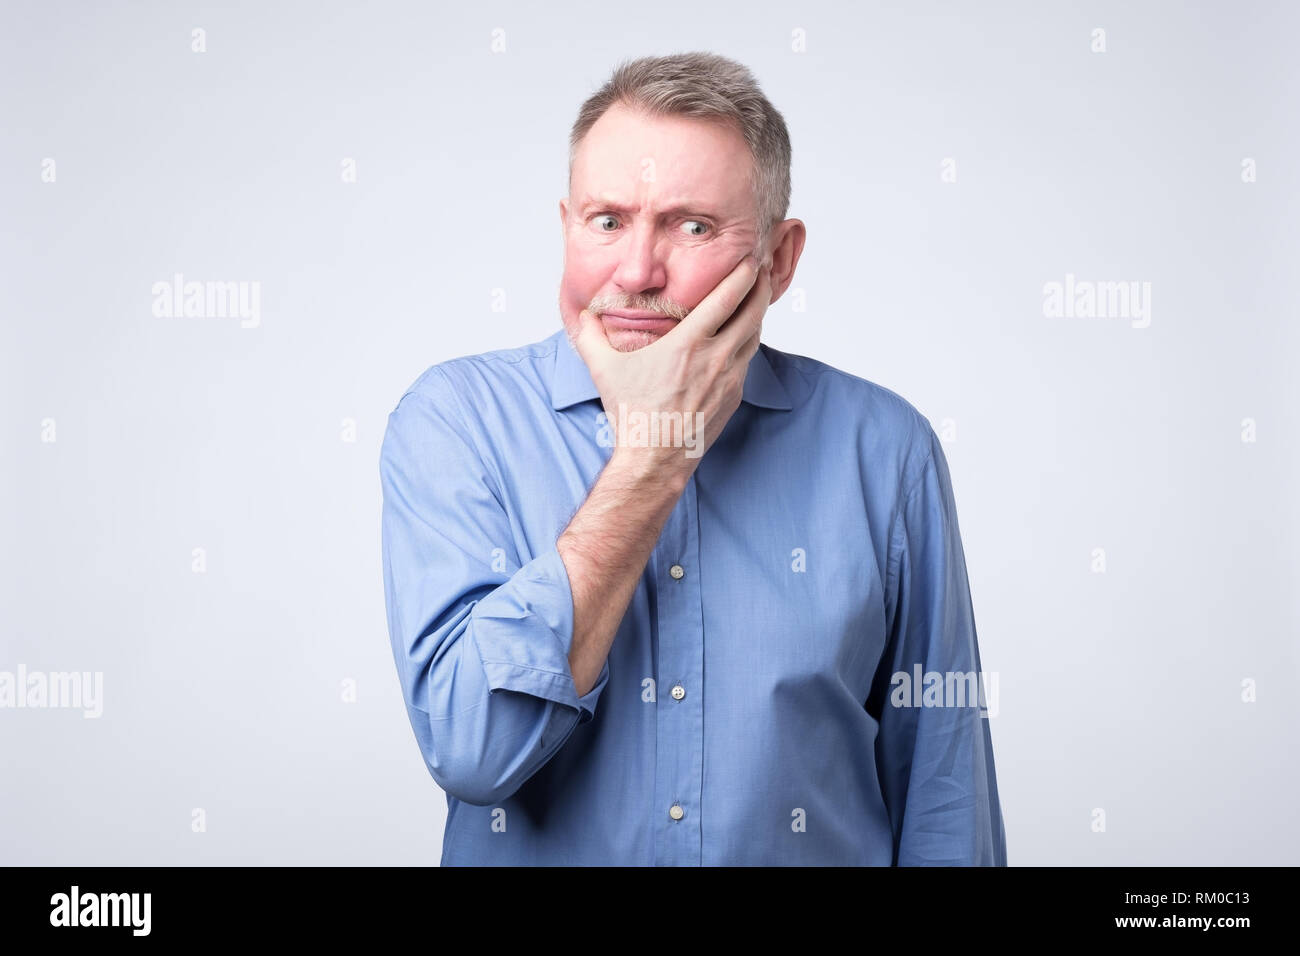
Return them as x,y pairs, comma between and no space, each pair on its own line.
659,594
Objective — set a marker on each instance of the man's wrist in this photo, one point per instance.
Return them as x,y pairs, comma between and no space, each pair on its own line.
653,469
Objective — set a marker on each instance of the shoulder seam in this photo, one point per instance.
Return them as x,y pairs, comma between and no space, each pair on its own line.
895,555
921,469
468,431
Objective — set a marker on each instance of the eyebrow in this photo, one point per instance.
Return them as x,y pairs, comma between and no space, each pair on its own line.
677,209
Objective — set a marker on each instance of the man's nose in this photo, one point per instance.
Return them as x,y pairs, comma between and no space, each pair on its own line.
641,264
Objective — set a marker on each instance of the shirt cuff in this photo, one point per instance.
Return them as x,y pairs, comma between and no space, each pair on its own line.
524,631
587,702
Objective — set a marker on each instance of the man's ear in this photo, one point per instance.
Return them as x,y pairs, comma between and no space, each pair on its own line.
564,211
786,250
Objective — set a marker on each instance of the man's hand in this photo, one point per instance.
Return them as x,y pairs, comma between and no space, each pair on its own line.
698,366
695,371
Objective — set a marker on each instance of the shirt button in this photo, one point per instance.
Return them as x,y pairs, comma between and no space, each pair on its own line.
677,571
679,692
676,812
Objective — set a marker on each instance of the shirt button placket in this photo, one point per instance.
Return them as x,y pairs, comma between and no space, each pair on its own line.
680,660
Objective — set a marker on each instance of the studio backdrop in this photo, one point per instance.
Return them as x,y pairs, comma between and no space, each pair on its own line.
1067,233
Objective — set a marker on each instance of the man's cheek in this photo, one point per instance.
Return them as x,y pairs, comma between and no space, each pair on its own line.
571,293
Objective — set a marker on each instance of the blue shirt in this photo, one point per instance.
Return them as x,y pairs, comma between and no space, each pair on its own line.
763,700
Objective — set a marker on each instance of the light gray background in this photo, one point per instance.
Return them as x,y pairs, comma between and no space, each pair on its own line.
1120,691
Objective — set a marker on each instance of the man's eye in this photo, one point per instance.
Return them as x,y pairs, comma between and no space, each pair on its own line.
695,222
610,218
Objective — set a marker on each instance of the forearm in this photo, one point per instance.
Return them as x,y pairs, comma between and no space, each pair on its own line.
605,549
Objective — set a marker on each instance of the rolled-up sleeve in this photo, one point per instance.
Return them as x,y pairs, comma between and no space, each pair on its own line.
934,749
481,653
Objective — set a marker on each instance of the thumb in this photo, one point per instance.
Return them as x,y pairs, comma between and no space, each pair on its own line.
587,335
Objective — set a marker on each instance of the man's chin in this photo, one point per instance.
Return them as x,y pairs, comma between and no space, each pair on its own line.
629,340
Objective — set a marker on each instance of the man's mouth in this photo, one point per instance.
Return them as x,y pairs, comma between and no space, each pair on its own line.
638,319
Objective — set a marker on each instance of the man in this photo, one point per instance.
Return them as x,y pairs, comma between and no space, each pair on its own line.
656,592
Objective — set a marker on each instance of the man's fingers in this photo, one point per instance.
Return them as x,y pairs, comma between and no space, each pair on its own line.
748,319
716,307
749,348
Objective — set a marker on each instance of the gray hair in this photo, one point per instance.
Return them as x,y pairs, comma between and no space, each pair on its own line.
711,86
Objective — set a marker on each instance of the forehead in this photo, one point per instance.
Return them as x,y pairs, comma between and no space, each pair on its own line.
634,157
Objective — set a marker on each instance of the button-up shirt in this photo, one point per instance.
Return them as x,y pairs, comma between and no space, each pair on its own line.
784,686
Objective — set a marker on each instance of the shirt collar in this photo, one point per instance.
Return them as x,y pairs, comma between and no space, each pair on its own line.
571,381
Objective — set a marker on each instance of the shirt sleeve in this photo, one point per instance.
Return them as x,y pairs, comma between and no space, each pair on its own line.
481,653
934,751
